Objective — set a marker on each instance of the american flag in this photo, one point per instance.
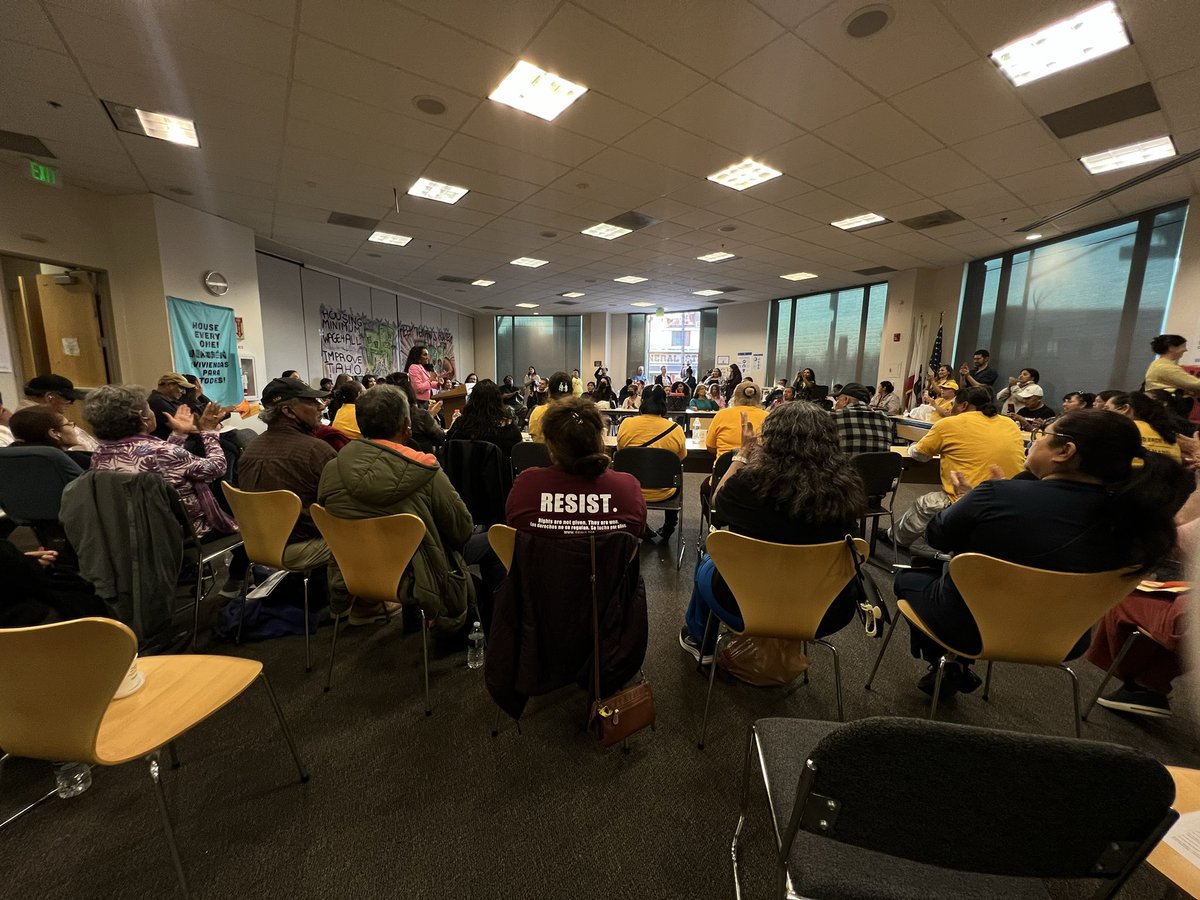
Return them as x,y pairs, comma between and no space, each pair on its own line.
935,358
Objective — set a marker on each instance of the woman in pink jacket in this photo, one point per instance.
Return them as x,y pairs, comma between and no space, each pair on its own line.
418,367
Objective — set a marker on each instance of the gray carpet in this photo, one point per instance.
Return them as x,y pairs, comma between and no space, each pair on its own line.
400,805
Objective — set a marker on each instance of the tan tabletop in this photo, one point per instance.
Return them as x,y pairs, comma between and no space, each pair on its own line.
1166,858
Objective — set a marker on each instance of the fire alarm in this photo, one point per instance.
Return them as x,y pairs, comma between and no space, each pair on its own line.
896,338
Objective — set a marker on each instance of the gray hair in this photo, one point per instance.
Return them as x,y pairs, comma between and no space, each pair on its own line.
115,411
382,412
269,415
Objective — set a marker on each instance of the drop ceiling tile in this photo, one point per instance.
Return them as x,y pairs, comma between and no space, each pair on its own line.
938,172
52,73
873,190
642,174
778,219
352,117
402,167
679,149
282,12
1013,150
529,134
1106,75
491,157
507,26
823,206
81,120
26,23
771,78
1164,34
979,200
879,136
814,161
721,116
1050,183
1178,94
1120,134
970,101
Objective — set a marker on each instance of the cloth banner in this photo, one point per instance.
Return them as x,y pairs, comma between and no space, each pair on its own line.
357,344
204,344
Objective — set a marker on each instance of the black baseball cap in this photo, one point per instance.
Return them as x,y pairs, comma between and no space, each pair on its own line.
51,384
281,389
855,391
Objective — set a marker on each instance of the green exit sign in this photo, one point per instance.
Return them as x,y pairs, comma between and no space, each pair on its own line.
43,173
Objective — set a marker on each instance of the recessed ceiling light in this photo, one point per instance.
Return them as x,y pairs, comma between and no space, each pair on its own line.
386,237
536,91
572,294
482,282
606,231
162,126
630,279
715,257
1131,155
744,175
436,190
1069,42
1033,237
529,305
528,262
639,303
799,276
708,293
853,223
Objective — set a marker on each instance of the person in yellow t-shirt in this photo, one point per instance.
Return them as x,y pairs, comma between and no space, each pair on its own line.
725,432
943,395
972,442
1157,431
346,420
650,428
560,386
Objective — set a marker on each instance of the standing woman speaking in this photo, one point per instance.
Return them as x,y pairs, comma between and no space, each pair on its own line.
418,366
1166,374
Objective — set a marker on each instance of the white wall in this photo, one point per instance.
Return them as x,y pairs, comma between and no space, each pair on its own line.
742,328
1183,315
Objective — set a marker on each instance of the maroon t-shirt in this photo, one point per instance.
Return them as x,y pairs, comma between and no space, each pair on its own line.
552,502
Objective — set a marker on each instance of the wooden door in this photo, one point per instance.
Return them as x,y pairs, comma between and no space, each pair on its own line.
72,326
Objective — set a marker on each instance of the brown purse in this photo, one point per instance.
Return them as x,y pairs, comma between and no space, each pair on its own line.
626,712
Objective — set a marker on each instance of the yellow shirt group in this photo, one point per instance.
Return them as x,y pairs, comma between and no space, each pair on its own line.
346,421
635,431
725,431
535,421
1154,441
971,443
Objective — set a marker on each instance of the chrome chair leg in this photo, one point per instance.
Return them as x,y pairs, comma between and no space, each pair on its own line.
283,726
712,677
337,617
1074,698
882,650
937,688
837,676
737,832
165,813
987,680
1111,669
682,542
708,623
307,650
425,656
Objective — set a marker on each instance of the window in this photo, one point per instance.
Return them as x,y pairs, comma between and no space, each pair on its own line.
548,343
1081,309
673,340
837,334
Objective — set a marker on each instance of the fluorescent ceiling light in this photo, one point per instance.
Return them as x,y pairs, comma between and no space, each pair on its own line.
715,257
386,237
798,276
536,91
482,282
708,293
528,261
856,222
629,279
572,294
1068,42
529,305
745,174
436,190
1033,237
606,231
1131,155
162,126
640,303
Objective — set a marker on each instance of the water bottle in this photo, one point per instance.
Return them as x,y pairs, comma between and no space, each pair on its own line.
72,779
476,651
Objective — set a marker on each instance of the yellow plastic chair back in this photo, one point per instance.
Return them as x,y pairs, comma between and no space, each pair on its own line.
56,683
266,520
372,554
1028,615
783,590
504,543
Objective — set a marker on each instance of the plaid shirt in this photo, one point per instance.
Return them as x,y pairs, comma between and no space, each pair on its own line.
862,429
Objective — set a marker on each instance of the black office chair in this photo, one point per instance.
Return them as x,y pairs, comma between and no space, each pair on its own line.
529,455
656,469
479,474
887,807
31,485
724,461
881,474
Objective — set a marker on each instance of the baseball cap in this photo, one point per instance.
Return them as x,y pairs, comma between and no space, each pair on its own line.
174,378
281,389
951,384
855,391
1033,390
51,384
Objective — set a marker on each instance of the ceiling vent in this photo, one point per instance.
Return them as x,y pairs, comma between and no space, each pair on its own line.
875,270
352,221
1107,110
456,279
634,221
868,21
565,303
721,300
728,290
24,143
932,220
491,307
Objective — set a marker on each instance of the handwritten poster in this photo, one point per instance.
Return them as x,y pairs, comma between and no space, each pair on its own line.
357,344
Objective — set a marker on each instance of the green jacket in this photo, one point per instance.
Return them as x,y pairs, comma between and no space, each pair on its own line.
368,479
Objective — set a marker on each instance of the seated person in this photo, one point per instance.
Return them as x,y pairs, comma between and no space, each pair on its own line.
1153,660
725,432
1087,509
603,395
36,592
941,398
484,418
6,435
345,419
1157,431
43,426
887,400
1033,413
786,395
649,429
971,442
1077,400
166,399
122,419
579,493
59,394
792,485
1018,389
860,428
381,476
701,401
559,387
633,395
427,434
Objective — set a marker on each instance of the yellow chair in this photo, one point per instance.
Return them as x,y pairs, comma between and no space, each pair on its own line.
1024,615
266,520
372,555
791,609
503,540
56,700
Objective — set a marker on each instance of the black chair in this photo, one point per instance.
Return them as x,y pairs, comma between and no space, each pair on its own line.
529,455
881,474
974,813
201,555
724,461
656,469
31,485
480,475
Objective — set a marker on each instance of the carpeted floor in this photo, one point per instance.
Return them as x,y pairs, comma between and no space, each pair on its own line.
400,805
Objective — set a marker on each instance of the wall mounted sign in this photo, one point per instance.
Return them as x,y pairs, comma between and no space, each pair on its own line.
216,284
356,344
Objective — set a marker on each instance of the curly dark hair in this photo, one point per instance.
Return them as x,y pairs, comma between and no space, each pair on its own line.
484,415
800,466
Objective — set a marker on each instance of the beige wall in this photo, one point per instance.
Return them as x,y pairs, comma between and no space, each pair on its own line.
913,294
485,348
742,327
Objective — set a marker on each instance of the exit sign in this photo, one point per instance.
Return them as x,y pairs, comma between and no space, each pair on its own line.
43,173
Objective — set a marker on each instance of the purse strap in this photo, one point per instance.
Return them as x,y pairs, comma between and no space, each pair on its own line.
870,612
595,620
658,437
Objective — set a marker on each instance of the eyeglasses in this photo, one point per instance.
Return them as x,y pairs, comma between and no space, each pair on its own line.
1044,432
66,423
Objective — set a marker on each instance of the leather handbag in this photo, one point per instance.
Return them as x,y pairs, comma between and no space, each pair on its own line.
872,608
626,712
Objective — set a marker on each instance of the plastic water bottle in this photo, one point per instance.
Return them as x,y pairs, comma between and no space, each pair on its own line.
475,652
72,779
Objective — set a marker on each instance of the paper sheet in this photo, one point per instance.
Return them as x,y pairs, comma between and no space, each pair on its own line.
1184,837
